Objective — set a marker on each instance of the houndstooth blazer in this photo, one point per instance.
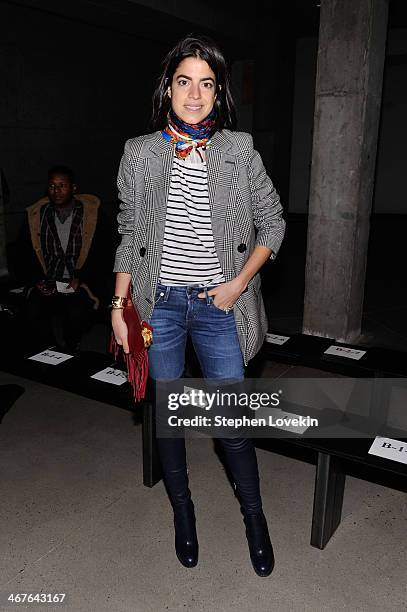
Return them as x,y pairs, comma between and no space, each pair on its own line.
245,209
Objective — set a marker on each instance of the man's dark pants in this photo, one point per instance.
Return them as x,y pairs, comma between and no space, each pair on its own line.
76,310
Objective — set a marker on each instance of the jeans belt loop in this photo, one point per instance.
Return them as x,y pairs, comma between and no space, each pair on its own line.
207,297
167,293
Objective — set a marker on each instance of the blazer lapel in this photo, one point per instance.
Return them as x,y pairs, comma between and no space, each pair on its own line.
160,158
221,165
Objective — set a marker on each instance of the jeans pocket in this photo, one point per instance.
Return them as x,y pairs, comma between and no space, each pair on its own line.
212,303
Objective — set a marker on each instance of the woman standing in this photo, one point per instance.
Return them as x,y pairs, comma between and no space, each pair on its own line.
199,217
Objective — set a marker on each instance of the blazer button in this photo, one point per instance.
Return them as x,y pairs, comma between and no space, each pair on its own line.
242,247
142,251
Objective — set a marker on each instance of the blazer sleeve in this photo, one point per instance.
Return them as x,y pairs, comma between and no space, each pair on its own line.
267,209
129,183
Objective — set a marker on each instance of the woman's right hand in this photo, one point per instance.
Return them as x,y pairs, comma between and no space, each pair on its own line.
120,328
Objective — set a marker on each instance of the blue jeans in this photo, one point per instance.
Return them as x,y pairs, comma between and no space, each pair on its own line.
177,312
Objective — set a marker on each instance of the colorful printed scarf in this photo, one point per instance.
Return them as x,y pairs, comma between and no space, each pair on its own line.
189,136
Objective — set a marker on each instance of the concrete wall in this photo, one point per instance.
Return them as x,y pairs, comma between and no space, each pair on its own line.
3,258
389,196
72,93
212,15
303,117
242,75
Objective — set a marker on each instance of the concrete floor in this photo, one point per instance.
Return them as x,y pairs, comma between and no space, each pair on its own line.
76,519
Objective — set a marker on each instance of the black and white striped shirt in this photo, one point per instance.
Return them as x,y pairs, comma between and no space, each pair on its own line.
189,256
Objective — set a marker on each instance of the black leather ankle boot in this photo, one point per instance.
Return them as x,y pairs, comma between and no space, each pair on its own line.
173,462
186,541
258,538
241,461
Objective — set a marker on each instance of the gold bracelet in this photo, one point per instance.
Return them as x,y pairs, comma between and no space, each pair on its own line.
119,302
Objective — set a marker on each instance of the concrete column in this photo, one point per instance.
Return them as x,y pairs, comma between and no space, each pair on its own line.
351,54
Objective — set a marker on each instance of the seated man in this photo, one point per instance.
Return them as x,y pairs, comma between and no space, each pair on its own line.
62,246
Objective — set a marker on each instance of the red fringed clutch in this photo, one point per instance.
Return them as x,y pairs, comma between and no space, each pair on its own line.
140,336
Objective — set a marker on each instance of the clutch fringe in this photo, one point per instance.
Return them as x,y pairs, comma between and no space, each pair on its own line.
137,368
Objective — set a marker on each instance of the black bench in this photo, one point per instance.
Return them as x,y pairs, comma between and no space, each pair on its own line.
334,459
73,375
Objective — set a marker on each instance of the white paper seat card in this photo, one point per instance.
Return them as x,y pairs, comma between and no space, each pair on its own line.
111,375
395,450
344,351
51,357
276,339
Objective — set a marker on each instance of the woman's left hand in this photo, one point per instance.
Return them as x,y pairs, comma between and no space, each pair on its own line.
225,296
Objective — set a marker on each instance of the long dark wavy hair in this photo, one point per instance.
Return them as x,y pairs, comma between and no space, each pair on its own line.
205,49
